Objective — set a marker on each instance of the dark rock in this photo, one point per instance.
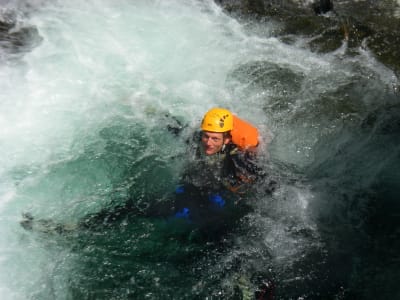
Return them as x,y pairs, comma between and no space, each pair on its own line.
17,39
322,6
371,24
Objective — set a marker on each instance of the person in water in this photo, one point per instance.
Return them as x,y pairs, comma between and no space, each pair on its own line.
221,168
223,153
218,173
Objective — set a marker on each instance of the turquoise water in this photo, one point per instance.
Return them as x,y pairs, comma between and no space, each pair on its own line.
83,118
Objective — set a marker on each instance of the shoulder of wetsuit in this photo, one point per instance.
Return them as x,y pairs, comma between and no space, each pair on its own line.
237,153
232,149
244,161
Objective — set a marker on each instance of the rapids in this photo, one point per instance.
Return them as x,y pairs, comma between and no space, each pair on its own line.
84,111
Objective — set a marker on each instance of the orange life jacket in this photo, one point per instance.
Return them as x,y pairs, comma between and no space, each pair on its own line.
244,135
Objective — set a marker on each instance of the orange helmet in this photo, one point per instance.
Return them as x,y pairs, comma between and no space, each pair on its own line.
217,120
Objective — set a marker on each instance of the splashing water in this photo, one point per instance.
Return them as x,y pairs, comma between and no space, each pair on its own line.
83,118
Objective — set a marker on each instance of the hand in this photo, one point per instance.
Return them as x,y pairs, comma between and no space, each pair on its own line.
180,189
184,213
217,199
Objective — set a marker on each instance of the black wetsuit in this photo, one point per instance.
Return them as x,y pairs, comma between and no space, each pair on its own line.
230,168
209,192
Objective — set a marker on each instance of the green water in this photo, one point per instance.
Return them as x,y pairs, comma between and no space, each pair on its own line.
84,118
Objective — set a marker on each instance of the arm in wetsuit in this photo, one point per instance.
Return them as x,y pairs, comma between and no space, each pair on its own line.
240,169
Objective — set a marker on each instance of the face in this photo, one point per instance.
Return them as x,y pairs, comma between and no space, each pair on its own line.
213,142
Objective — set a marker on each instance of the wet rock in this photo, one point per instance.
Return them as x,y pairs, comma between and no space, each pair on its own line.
385,45
322,6
16,38
326,25
243,8
373,25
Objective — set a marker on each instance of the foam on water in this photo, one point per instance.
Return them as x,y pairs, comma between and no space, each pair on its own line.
83,116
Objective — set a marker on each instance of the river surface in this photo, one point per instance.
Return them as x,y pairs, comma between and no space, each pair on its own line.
83,126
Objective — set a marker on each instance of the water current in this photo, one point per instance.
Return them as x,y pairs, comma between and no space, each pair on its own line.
83,126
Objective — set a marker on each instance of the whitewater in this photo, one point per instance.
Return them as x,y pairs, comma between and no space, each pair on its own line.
84,114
